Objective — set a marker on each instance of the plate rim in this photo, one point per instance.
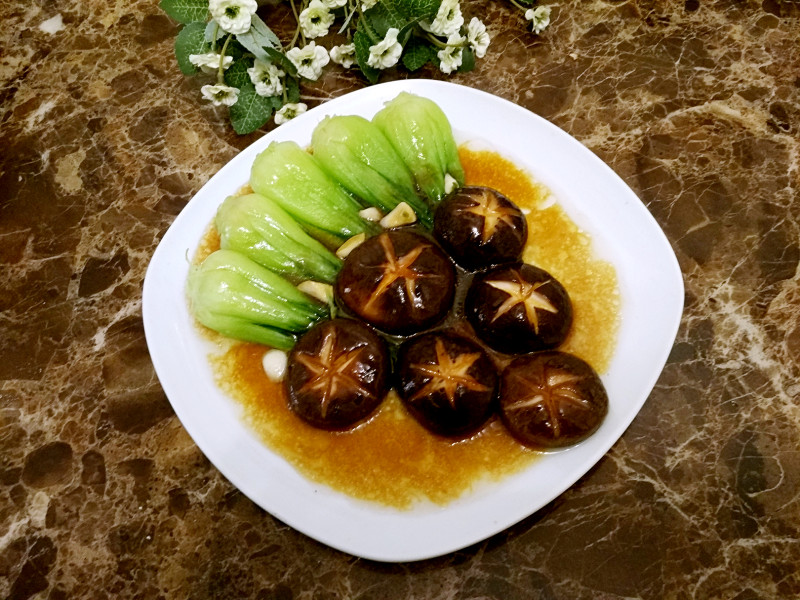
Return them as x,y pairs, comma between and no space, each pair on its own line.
353,544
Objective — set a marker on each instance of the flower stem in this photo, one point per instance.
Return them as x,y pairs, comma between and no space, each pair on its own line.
519,6
296,20
214,38
220,71
348,18
435,41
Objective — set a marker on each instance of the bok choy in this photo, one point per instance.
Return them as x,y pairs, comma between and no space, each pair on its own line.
421,134
260,229
290,176
358,156
239,298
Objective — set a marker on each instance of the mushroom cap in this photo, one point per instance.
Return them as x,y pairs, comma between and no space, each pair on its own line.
399,281
338,373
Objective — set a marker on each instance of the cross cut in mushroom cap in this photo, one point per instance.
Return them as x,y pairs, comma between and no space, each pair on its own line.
447,373
447,382
398,268
486,204
521,292
551,399
398,281
337,374
331,372
479,227
519,308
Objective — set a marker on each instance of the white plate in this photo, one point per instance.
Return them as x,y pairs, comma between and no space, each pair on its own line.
595,197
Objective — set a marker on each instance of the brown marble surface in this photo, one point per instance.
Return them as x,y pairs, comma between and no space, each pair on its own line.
695,104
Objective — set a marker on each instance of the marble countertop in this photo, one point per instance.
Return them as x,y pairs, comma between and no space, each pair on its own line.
695,104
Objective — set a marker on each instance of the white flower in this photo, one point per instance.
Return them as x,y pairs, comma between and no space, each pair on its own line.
387,52
539,18
316,20
289,112
309,60
450,57
220,94
233,16
344,55
367,4
331,4
266,77
477,37
448,19
209,63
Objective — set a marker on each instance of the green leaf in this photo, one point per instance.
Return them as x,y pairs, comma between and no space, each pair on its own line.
418,53
292,90
235,50
280,58
190,40
263,34
251,111
213,32
414,9
236,75
258,38
186,11
403,15
362,43
379,19
467,60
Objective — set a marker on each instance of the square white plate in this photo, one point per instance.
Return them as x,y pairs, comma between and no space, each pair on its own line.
623,232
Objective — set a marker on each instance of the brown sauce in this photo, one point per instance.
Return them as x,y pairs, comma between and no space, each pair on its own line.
390,459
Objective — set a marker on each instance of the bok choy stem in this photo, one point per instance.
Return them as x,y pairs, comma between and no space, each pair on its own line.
358,156
421,134
239,298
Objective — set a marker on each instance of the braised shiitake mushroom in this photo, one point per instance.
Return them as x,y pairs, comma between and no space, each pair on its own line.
551,399
338,373
518,308
446,382
399,281
479,227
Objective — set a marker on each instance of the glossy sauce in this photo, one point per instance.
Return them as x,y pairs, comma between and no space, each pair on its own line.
390,459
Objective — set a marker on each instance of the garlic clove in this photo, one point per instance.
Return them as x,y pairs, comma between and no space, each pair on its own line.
402,214
371,214
350,245
316,289
274,363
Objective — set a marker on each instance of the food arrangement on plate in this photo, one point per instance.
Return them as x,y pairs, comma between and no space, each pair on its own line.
388,489
385,274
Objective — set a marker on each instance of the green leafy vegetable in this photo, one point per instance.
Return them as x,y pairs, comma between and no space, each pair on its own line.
261,230
239,298
291,177
357,154
422,136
